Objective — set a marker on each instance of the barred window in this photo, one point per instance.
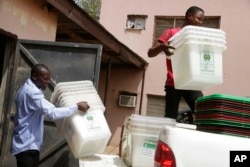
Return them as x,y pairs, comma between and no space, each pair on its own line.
166,22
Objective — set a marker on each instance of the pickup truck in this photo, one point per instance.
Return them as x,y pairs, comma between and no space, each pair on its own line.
183,145
171,144
161,142
224,142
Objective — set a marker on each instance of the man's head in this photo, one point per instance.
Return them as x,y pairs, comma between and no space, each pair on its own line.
194,16
40,75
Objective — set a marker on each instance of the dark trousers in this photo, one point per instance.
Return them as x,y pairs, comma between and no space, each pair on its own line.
29,158
173,97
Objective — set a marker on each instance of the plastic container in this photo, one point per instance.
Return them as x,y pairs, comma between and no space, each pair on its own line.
69,93
86,134
70,87
93,100
140,135
143,149
197,59
221,113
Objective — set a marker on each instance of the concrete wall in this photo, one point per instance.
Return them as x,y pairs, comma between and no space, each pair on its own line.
234,21
27,20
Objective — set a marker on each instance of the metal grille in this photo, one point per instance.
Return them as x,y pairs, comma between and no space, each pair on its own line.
166,22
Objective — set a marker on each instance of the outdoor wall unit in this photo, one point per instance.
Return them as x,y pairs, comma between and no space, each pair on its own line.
136,22
127,100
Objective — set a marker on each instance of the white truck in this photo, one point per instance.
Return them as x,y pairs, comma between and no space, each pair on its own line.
177,145
184,146
219,138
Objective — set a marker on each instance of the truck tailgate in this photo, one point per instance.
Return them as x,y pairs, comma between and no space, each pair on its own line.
102,160
201,149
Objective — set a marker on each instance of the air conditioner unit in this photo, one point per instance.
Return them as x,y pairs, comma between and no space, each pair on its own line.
127,100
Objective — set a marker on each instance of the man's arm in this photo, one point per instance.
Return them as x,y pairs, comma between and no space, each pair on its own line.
159,47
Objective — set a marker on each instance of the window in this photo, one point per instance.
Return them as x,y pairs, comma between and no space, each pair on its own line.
165,22
156,106
136,22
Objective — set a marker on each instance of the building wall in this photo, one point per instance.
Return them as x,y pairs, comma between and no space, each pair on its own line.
27,20
120,80
234,16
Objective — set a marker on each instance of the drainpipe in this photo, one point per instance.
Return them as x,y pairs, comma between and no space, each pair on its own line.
142,89
107,84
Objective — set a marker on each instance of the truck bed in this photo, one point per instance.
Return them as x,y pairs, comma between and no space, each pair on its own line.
193,148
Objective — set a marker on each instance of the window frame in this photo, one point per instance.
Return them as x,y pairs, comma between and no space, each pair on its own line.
177,21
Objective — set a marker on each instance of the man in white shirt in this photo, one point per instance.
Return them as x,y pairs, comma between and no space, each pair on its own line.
31,107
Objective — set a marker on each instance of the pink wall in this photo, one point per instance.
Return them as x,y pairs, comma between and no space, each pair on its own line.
120,80
236,67
234,16
27,20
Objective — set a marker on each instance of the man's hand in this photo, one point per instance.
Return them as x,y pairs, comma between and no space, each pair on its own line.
168,50
83,106
161,47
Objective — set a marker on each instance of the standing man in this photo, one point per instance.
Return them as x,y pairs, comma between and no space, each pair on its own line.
31,107
194,16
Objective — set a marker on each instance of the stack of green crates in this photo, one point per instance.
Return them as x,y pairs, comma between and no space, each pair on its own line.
221,113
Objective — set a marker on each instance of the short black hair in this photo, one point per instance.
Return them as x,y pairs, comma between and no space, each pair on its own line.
192,10
38,67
